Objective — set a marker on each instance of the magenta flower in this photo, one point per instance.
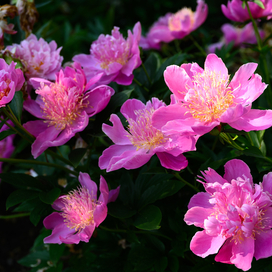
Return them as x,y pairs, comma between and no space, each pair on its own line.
135,146
239,36
11,80
175,26
206,97
42,59
113,56
236,216
64,107
235,11
80,212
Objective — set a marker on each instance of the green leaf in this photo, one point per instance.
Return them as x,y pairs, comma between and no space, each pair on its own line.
34,258
55,252
22,181
19,196
173,263
253,151
51,196
120,211
77,155
16,105
40,210
148,218
161,264
259,3
4,134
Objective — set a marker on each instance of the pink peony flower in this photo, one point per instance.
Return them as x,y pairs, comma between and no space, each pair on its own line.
80,212
11,80
236,216
64,107
235,11
113,56
42,59
206,97
237,35
175,26
135,146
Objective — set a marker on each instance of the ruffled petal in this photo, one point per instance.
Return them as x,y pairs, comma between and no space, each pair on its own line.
196,216
86,182
172,162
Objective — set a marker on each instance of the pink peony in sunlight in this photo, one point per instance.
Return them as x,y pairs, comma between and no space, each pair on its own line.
236,216
79,212
41,59
235,11
64,107
11,80
113,56
134,146
239,36
175,26
207,97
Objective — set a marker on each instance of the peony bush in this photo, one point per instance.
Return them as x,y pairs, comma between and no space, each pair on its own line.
136,139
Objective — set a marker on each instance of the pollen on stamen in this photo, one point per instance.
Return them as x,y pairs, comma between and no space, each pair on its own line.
78,209
142,134
209,97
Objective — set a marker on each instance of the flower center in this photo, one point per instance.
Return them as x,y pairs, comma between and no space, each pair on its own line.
62,105
209,97
175,22
4,87
142,133
78,209
111,49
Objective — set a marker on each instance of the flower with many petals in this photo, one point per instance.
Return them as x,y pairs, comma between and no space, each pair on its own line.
80,212
175,26
239,36
236,216
207,97
113,56
64,107
41,59
236,12
11,80
135,146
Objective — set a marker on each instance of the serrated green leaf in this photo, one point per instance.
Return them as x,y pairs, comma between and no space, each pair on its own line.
51,196
22,181
77,155
4,134
16,105
148,218
19,196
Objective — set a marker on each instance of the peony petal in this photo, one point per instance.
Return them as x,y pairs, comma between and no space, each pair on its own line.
196,216
100,214
200,200
86,182
113,194
130,107
36,127
104,191
172,162
59,231
34,108
263,244
214,63
52,220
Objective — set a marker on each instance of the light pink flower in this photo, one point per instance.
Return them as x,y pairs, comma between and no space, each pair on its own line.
175,26
80,212
236,216
135,146
42,59
206,97
11,80
235,11
239,36
64,107
113,56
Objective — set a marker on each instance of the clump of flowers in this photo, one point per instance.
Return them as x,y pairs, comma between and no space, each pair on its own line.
239,36
207,97
11,80
236,12
135,146
64,107
41,59
236,216
79,212
175,26
6,11
113,56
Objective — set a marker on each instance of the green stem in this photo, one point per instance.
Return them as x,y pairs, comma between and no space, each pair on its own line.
146,73
186,182
140,84
135,231
229,140
249,137
14,215
9,160
198,46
